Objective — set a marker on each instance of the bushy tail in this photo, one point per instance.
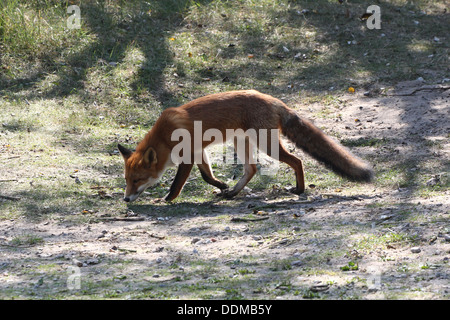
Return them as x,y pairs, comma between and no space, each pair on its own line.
313,141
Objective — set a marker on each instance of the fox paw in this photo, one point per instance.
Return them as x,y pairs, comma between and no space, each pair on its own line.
227,193
295,190
168,198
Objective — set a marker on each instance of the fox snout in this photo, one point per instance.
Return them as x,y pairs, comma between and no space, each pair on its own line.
131,198
132,192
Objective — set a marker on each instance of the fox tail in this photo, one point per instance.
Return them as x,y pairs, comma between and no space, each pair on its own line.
321,147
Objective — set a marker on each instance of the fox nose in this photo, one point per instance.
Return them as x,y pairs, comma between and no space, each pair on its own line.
126,199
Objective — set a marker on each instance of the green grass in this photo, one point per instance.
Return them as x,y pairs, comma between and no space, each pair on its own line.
373,242
26,240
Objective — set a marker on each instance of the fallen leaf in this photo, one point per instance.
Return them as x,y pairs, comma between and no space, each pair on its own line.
365,16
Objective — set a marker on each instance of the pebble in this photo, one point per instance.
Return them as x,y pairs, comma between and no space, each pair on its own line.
415,250
92,261
78,263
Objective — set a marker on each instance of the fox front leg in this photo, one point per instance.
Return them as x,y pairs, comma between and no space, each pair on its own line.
178,183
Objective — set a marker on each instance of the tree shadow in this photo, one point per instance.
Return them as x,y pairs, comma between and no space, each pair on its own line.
116,31
145,25
369,59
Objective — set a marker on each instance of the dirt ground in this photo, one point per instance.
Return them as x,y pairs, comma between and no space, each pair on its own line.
376,243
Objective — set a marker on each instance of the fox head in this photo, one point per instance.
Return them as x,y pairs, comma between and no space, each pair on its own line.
141,171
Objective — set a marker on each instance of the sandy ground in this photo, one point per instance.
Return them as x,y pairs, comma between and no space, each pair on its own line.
298,250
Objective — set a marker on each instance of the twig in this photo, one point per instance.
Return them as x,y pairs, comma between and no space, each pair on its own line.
122,218
8,180
9,198
332,195
154,235
17,246
239,219
305,201
126,250
416,90
283,242
12,157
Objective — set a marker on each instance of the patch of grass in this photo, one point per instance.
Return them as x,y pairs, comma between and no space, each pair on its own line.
391,176
351,266
364,142
285,264
431,185
30,29
372,242
245,271
309,294
233,294
26,240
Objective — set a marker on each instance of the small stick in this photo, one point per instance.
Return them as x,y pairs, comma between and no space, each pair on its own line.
16,246
239,219
9,198
122,218
154,235
126,250
416,90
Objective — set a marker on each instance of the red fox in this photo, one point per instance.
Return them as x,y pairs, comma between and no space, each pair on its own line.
235,110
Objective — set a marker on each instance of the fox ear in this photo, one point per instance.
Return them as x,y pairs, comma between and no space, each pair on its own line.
126,153
150,156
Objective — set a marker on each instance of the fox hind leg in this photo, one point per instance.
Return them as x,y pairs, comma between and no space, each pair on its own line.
296,164
281,154
246,156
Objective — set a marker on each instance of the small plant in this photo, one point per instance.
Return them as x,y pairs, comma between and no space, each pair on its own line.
309,294
233,294
351,266
381,241
26,240
245,271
